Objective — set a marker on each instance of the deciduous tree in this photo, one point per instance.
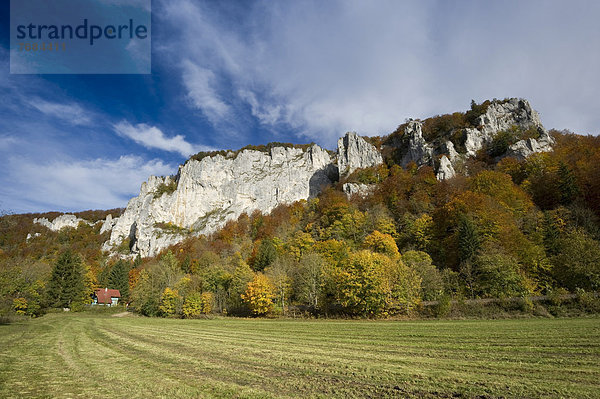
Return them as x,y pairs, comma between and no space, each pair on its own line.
197,304
170,302
259,295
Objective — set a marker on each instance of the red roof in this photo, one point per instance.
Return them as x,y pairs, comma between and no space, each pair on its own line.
104,295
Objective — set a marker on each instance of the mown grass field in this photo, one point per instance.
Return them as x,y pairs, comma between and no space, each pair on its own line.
88,355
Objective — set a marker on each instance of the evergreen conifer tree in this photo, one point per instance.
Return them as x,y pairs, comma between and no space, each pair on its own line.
119,279
66,285
468,239
567,184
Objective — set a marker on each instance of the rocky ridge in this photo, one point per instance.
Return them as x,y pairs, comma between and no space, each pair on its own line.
500,116
207,193
62,221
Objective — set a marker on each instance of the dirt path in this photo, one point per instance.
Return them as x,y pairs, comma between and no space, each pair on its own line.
122,314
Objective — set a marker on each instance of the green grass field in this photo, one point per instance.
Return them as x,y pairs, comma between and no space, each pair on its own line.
95,355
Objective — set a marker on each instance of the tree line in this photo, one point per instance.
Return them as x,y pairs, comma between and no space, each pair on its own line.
502,229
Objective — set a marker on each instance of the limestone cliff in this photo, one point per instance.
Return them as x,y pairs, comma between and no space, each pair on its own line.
207,192
217,189
354,153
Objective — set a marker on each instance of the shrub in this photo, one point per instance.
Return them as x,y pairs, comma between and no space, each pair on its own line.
371,175
476,111
124,247
382,243
442,124
170,228
444,306
506,138
20,306
526,305
501,142
432,284
577,265
497,276
588,300
558,297
165,188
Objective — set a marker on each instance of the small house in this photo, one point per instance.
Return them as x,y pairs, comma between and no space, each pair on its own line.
107,297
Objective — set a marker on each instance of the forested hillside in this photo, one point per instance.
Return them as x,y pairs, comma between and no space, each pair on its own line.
502,227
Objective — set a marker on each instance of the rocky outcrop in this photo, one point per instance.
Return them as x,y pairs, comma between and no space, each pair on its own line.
499,116
32,236
418,150
502,115
360,189
445,170
108,223
448,149
354,153
217,189
60,222
524,148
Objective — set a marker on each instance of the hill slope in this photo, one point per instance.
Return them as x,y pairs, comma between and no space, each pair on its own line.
210,190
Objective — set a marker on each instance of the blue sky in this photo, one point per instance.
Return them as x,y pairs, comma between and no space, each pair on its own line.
230,73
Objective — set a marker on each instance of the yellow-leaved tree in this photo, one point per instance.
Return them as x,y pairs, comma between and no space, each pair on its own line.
373,284
259,295
382,243
197,304
170,302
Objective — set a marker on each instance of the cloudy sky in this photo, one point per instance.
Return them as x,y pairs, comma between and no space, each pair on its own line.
226,74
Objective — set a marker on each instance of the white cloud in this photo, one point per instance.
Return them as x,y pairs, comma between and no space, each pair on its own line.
266,113
141,55
79,184
71,113
6,142
317,68
153,137
200,85
321,68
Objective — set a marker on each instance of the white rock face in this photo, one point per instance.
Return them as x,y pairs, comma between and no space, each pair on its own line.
475,140
419,151
445,170
31,236
61,222
448,148
217,189
524,148
502,115
108,223
355,153
360,189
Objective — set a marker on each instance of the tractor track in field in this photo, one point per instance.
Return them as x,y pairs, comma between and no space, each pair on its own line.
79,355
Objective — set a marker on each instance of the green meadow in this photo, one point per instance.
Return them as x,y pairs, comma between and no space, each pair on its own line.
99,355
